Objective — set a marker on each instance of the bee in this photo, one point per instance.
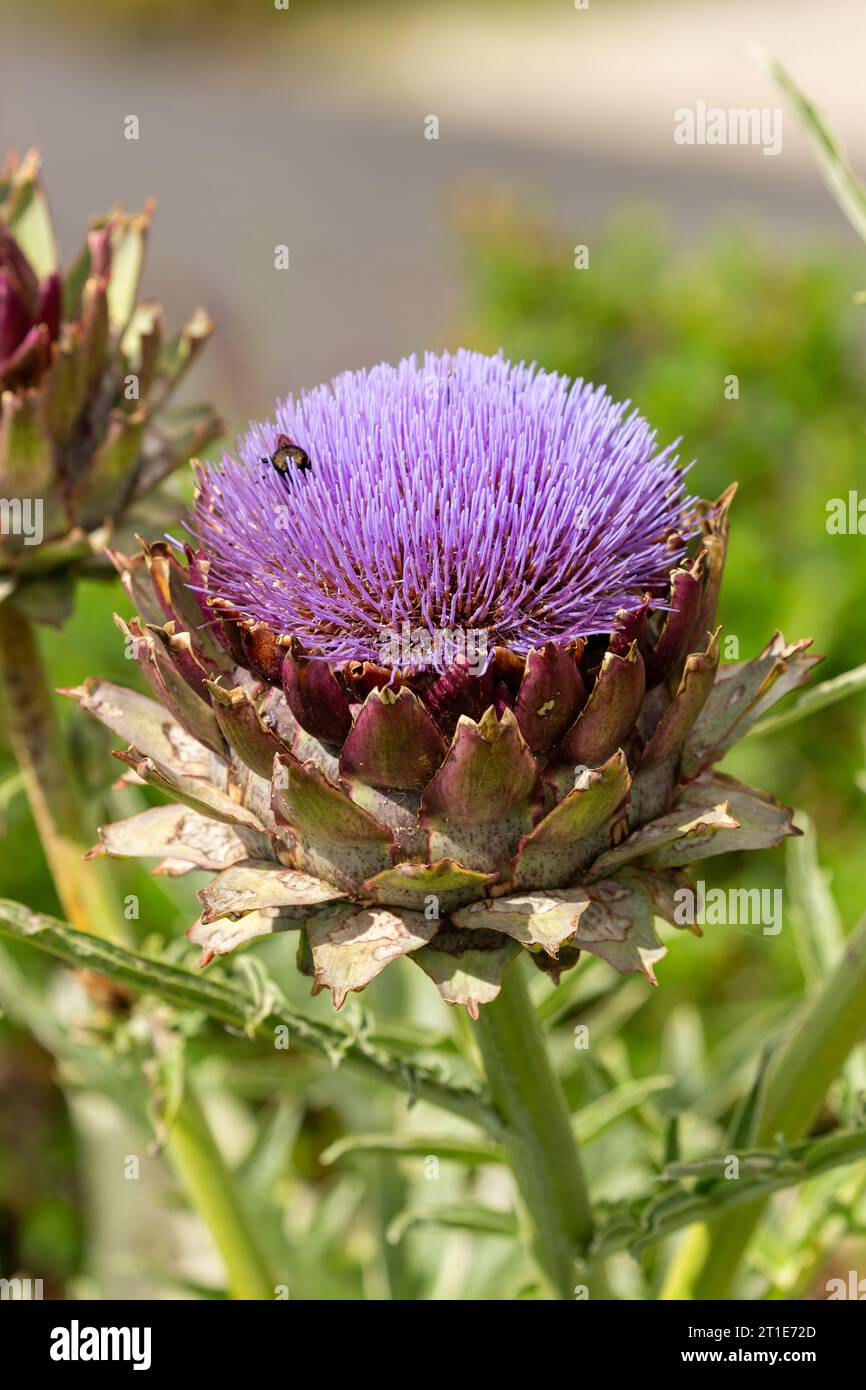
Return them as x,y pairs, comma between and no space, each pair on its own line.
288,455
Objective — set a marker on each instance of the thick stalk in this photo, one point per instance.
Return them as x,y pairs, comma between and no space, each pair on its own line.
29,716
809,1059
85,892
538,1137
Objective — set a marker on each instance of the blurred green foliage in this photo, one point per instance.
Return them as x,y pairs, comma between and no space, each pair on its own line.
668,328
664,327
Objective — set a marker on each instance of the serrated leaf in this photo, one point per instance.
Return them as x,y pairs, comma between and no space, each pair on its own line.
646,1221
479,1220
413,1146
229,1004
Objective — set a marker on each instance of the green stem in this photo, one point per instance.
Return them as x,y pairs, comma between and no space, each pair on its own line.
211,1189
538,1136
34,734
90,904
809,1059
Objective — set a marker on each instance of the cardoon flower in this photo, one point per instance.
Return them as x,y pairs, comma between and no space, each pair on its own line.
84,380
352,768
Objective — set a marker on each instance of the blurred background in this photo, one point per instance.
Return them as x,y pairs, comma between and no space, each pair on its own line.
308,127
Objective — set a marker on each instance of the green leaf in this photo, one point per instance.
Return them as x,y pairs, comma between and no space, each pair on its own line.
645,1221
47,599
167,1077
818,697
414,1146
80,1064
744,1122
10,785
170,1279
350,945
229,1004
264,1166
818,932
683,1047
672,1140
253,884
843,183
178,354
479,1220
466,966
600,1114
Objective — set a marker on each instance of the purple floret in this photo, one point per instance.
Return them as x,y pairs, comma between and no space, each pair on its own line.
461,493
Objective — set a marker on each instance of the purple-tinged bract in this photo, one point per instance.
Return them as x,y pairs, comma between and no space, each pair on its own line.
461,493
88,434
547,796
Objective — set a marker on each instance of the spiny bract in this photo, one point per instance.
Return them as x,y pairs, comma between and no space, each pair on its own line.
85,376
546,795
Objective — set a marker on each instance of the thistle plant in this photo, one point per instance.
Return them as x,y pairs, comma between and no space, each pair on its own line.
86,437
543,789
436,675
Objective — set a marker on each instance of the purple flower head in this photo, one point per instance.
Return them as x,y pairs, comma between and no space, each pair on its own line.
463,494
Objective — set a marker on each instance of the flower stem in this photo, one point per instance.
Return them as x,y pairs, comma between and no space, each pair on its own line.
34,734
212,1192
88,900
809,1059
538,1136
